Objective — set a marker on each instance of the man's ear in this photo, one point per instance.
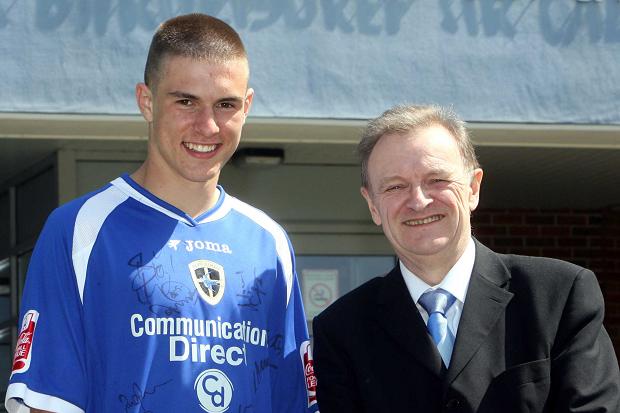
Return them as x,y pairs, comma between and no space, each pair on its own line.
476,182
374,212
144,99
249,96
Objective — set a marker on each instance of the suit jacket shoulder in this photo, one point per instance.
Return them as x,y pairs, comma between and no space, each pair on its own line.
353,301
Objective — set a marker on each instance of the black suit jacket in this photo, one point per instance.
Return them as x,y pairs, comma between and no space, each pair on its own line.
530,339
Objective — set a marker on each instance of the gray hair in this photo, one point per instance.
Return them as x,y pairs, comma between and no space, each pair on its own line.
405,118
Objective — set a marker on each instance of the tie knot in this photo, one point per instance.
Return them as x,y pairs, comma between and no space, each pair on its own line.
436,301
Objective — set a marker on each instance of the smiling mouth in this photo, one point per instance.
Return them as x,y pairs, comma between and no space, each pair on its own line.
427,220
199,148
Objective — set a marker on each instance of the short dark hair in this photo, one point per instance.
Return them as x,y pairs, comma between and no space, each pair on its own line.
195,35
404,118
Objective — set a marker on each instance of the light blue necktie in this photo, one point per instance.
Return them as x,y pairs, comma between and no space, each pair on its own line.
436,303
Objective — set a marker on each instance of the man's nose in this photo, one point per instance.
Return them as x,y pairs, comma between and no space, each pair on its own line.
206,122
418,199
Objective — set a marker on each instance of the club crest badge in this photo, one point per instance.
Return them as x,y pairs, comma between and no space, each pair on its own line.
209,279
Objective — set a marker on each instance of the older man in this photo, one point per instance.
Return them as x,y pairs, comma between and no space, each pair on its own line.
456,327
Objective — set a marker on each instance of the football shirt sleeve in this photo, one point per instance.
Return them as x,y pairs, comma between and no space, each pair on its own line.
294,387
49,368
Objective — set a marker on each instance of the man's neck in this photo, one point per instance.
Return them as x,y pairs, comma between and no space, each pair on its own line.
193,198
431,274
433,269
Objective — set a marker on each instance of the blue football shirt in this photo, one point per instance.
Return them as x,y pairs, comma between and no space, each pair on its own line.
131,305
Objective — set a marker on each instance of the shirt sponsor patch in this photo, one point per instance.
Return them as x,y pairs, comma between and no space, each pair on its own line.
308,363
23,350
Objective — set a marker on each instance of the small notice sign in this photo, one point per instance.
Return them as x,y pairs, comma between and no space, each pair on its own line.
320,289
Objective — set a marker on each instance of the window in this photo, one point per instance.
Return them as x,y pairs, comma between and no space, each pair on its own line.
324,278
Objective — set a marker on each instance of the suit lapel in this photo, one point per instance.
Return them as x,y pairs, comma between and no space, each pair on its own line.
485,303
399,317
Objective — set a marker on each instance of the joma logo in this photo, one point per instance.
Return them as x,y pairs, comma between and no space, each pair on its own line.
191,245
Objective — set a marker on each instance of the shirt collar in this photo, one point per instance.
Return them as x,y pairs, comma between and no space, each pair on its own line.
455,282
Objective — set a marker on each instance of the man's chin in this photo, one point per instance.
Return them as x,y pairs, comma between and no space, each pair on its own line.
428,247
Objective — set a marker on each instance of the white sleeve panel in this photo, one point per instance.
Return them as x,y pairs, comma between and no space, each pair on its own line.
88,223
19,399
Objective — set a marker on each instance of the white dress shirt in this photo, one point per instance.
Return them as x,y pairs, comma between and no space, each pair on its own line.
455,282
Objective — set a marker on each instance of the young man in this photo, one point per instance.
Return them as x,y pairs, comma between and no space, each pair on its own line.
456,327
160,292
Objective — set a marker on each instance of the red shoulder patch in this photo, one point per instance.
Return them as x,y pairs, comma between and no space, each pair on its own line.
308,362
21,360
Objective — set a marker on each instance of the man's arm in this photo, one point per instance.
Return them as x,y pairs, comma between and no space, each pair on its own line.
294,375
293,384
48,370
584,368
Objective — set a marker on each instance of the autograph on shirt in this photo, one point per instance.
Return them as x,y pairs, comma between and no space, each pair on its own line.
251,295
275,344
259,367
155,288
137,397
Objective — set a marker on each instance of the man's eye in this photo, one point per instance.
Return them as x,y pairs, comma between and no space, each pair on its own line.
226,105
393,188
184,102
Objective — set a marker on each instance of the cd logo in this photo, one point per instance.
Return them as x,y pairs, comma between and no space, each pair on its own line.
214,390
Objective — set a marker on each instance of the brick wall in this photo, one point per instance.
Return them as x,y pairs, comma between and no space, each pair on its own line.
590,238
